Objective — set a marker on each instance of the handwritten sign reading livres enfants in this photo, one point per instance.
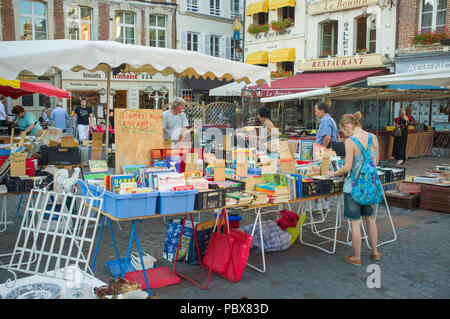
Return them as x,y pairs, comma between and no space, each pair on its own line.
137,132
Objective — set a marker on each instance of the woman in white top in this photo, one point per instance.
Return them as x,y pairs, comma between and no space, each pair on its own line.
351,127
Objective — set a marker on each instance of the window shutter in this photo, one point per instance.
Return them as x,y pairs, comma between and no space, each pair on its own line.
183,40
227,48
206,43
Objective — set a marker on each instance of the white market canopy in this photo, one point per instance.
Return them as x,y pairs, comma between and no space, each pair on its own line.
40,55
230,89
438,77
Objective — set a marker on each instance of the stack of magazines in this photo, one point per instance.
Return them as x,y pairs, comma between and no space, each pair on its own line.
149,261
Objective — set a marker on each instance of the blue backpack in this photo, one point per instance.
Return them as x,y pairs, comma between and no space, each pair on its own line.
366,187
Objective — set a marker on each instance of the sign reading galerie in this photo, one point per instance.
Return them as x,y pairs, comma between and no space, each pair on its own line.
337,5
363,61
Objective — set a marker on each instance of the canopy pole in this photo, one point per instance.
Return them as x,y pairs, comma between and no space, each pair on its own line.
108,88
378,113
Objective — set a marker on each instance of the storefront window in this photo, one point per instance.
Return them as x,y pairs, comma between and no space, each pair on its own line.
80,23
328,38
158,31
432,15
92,100
124,27
33,20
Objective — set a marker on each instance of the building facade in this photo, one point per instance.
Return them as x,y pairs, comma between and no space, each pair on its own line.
275,35
429,18
206,26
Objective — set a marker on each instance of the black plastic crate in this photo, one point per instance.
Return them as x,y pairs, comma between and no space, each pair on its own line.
60,155
210,199
395,176
337,187
42,179
388,175
382,177
228,190
17,184
314,187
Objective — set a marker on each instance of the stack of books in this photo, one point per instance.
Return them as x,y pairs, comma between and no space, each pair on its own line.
276,193
149,261
242,198
259,198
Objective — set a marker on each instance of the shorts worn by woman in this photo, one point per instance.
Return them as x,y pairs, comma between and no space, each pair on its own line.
353,210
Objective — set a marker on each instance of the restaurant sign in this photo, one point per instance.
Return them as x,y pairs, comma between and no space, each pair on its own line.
337,5
362,61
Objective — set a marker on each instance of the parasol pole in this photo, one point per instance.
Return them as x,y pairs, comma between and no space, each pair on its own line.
108,87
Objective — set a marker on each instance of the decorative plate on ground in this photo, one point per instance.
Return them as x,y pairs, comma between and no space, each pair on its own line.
41,290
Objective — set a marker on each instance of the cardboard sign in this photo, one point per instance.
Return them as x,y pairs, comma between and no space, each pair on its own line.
241,169
67,141
219,171
191,162
285,152
209,158
97,139
288,166
271,168
97,166
227,143
17,162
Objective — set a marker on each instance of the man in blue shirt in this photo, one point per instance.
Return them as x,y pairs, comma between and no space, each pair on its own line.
60,116
327,128
327,133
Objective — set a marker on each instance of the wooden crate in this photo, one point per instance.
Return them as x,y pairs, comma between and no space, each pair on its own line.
435,198
409,202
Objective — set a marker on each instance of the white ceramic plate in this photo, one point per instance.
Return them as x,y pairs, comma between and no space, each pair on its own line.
41,290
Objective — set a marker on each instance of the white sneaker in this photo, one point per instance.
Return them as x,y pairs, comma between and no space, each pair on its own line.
400,162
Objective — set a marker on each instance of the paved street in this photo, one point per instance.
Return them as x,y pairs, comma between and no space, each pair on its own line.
416,265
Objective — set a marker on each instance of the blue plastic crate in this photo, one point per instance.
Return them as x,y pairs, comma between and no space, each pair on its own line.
123,206
114,267
5,152
176,202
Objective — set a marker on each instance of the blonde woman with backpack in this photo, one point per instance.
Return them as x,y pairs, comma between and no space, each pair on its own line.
354,161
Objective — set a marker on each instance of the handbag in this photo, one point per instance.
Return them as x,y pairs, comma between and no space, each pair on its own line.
338,147
397,132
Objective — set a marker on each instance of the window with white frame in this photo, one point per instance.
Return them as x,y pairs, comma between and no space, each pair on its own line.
192,5
214,45
214,7
157,30
432,15
80,23
124,27
192,41
33,20
366,34
235,9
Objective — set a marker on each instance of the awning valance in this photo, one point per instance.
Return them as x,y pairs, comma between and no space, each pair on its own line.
259,57
276,4
257,7
282,55
356,94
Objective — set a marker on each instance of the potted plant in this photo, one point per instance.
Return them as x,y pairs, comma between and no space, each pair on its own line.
325,54
362,51
280,74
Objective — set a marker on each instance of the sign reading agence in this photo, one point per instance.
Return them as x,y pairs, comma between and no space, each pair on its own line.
362,61
337,5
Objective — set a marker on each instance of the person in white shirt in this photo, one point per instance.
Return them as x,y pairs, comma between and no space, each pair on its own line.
175,122
3,115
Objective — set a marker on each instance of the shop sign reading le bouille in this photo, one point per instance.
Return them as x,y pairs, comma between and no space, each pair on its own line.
337,5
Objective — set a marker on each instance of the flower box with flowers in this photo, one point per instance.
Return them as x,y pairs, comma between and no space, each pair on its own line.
280,74
281,25
257,28
429,37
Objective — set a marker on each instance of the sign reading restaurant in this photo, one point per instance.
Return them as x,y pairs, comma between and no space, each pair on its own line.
337,5
363,61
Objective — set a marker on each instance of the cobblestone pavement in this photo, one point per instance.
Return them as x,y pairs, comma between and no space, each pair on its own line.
415,265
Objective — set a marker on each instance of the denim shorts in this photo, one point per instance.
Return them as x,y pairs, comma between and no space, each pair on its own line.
353,210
